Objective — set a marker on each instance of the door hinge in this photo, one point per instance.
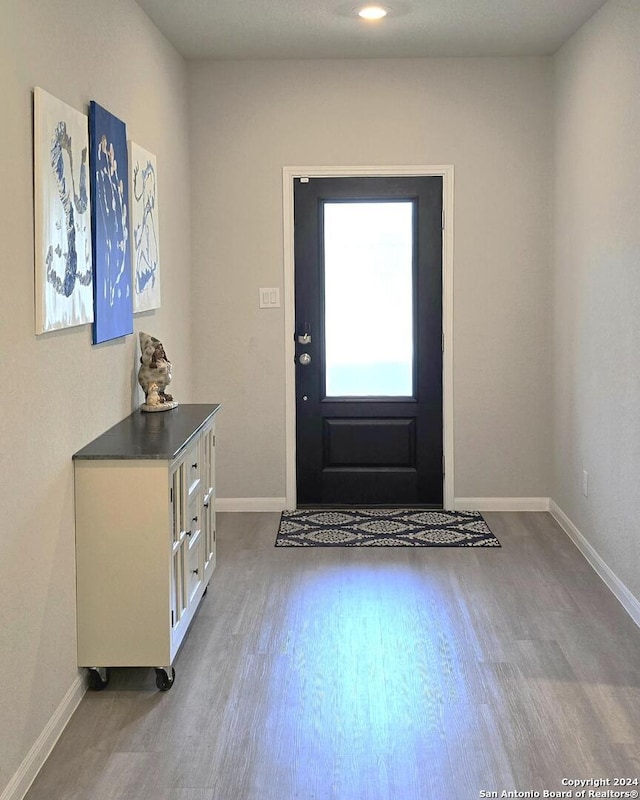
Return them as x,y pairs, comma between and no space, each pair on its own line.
443,219
172,618
171,495
443,465
442,341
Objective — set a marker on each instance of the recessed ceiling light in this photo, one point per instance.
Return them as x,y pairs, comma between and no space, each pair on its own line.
372,12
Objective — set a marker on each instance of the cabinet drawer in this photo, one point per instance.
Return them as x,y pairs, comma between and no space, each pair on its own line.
192,468
195,558
195,565
195,518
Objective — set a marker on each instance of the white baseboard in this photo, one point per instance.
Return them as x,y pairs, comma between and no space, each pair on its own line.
249,504
19,785
629,602
501,504
459,504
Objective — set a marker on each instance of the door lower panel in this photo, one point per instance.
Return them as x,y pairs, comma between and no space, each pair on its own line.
369,442
369,486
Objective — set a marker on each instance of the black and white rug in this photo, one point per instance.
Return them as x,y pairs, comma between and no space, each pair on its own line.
383,527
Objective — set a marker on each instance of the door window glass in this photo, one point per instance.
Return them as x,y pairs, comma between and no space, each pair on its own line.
368,274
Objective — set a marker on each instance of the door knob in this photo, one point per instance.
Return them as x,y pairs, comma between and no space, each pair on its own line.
304,359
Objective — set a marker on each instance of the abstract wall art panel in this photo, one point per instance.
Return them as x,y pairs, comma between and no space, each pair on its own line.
143,199
113,302
63,264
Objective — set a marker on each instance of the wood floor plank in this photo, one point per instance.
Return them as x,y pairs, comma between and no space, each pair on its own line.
372,674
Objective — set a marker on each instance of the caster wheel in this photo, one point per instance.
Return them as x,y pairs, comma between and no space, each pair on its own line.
163,681
99,678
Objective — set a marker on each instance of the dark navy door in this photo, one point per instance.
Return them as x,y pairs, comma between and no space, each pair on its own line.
368,263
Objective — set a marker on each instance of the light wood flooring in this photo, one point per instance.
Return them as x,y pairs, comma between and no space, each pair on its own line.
372,674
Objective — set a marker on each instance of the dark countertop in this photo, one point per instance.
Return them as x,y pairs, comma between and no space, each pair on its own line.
157,435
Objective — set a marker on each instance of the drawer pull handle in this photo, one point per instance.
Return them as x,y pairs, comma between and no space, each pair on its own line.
194,466
195,519
188,533
196,572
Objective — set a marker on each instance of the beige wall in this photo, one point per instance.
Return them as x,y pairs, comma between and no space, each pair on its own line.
59,391
491,118
596,352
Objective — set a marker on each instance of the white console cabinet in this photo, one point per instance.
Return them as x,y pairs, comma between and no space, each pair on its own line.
145,538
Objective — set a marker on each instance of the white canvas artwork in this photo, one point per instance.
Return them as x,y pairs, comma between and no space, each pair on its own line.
63,264
143,202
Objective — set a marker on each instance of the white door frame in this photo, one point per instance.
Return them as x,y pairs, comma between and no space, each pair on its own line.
288,175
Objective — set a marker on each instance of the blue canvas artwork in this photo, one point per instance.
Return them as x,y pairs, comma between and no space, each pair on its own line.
113,301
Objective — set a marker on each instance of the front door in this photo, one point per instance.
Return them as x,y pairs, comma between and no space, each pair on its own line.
368,286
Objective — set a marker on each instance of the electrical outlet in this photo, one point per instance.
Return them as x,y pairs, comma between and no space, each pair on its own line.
585,483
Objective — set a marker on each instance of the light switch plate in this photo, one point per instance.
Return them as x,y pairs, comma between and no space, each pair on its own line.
270,298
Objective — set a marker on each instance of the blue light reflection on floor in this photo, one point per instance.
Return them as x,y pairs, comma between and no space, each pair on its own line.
368,668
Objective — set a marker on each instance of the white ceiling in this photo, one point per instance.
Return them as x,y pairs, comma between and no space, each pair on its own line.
330,28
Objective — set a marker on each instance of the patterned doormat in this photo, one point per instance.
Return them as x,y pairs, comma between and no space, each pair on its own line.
380,527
